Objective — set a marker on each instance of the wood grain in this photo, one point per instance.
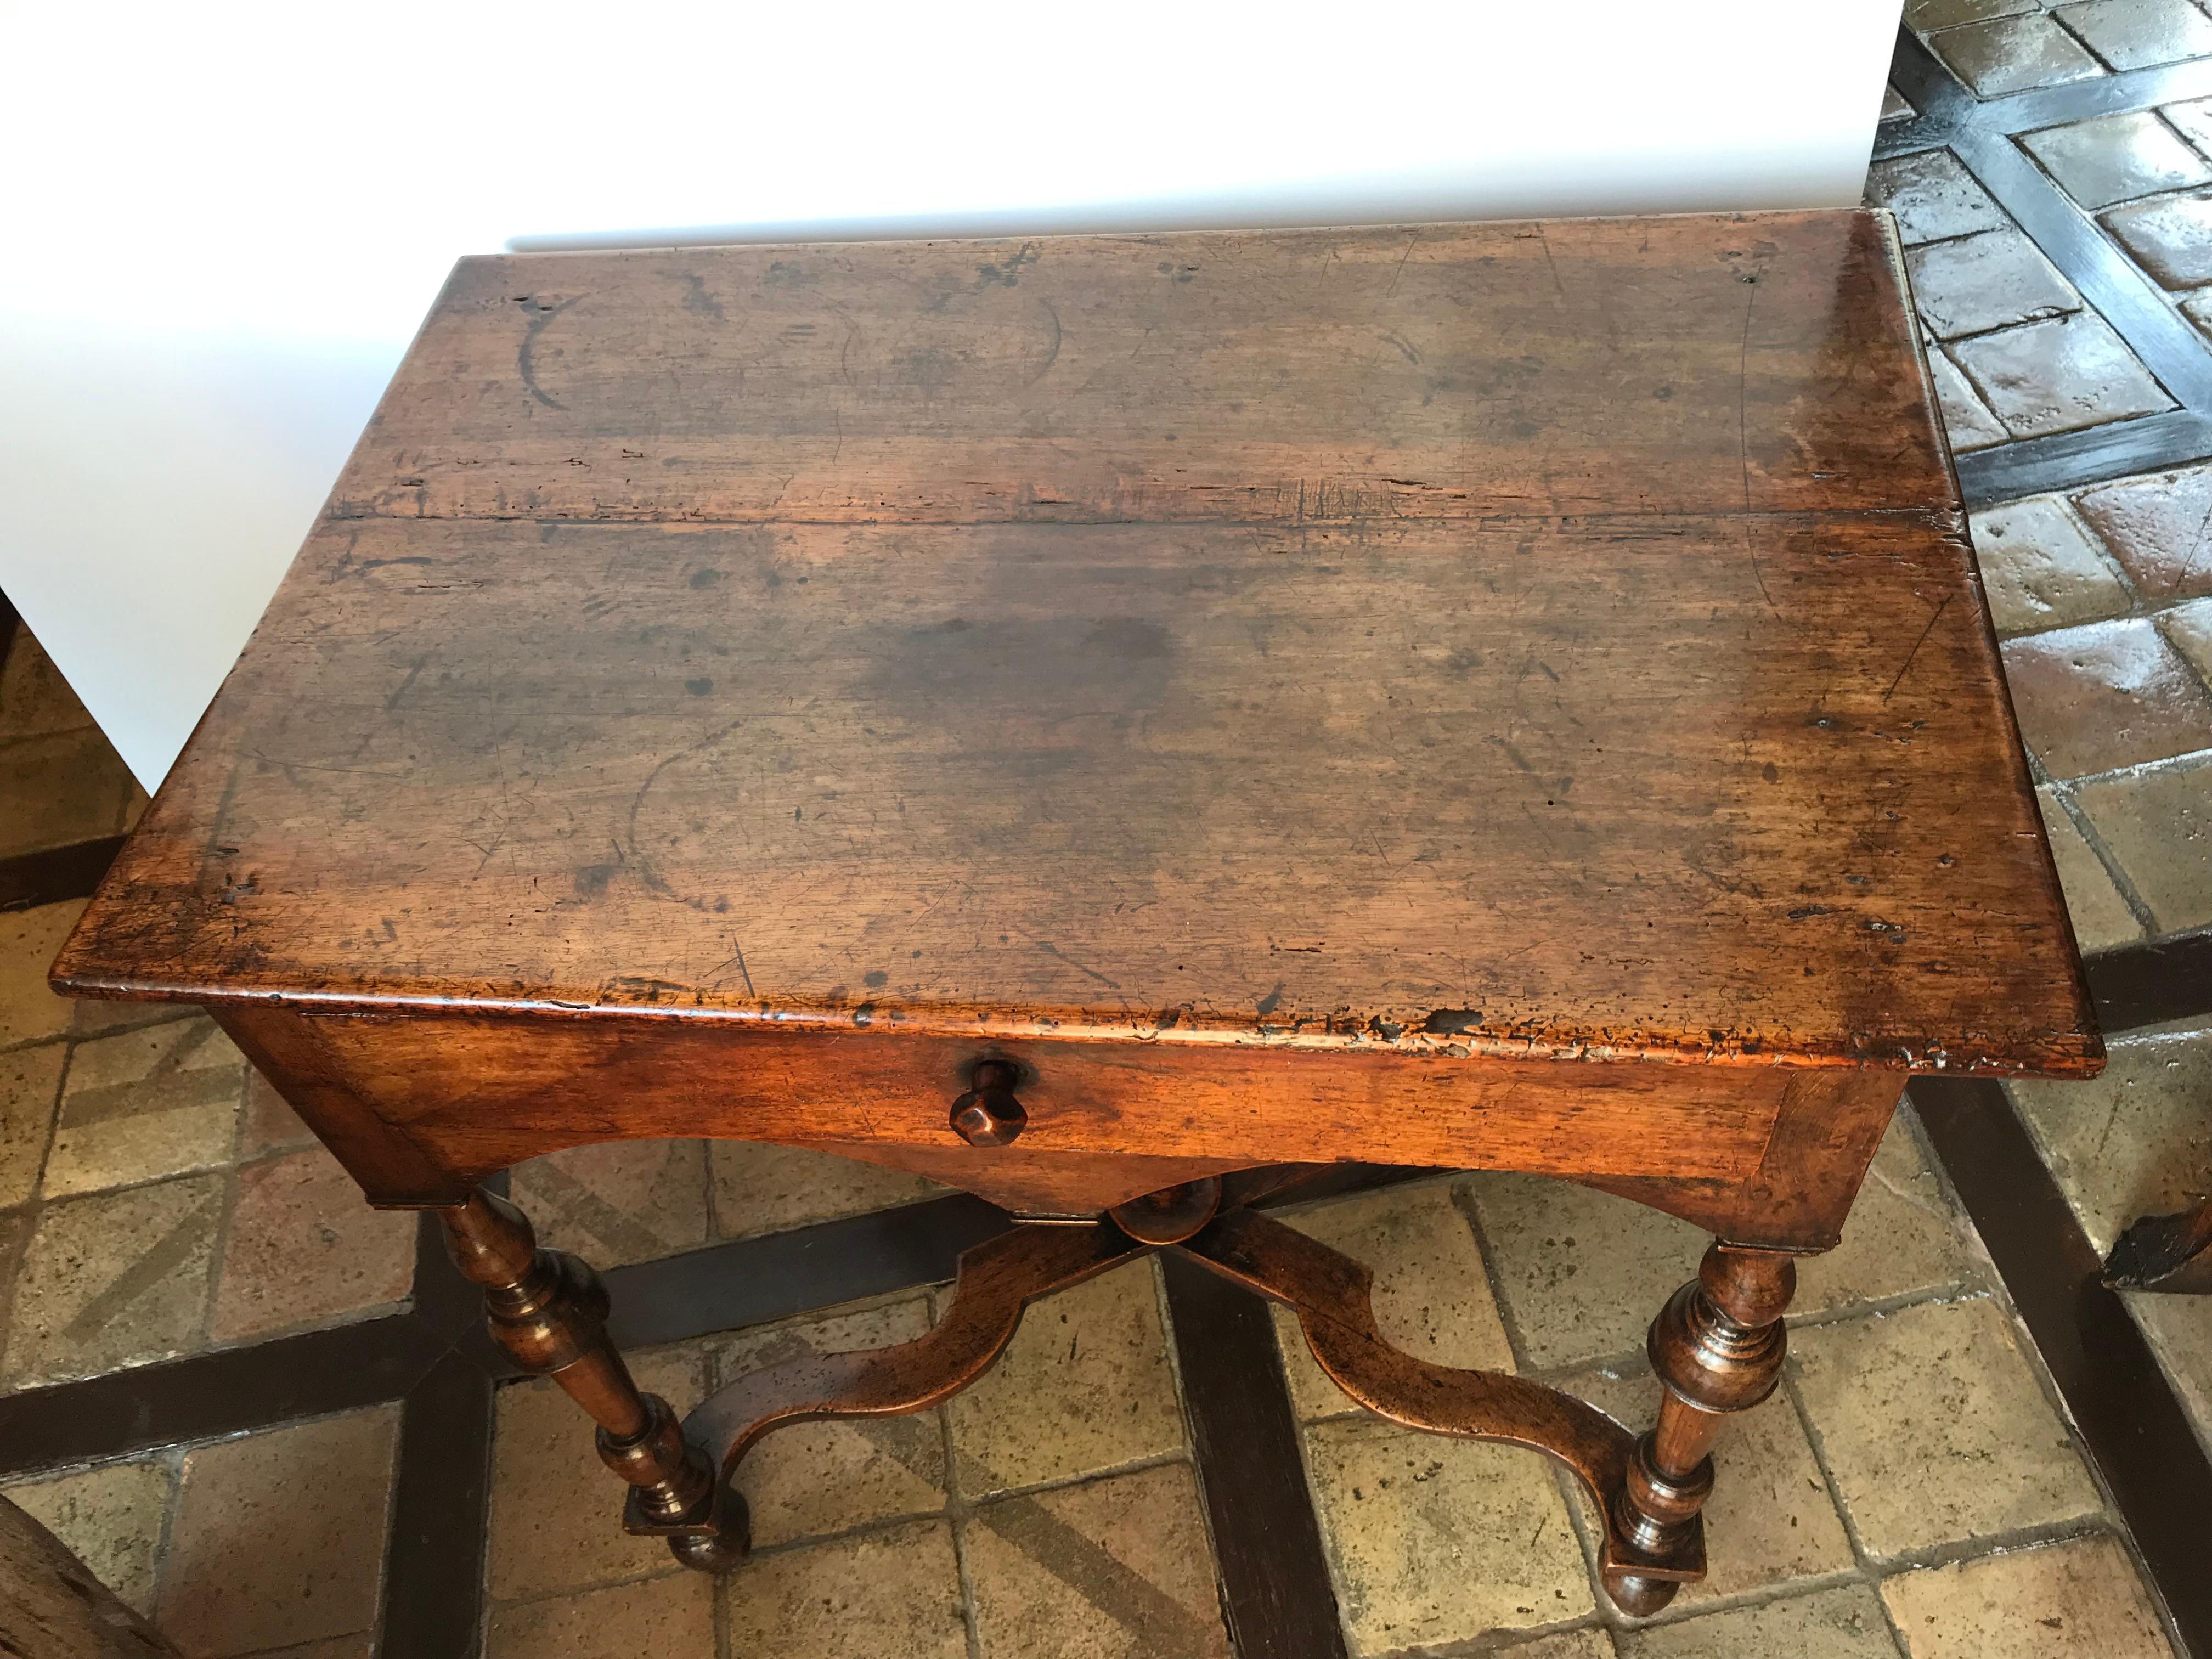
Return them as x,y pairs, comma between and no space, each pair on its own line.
1689,364
1475,642
420,1108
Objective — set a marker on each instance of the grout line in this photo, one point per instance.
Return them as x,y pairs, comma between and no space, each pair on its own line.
2062,794
1768,1594
182,1011
2189,761
1577,1504
1062,1482
963,1567
1470,1210
172,1463
2170,350
219,1247
1813,1438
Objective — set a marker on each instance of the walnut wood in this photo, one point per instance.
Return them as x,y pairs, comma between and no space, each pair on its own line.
549,1311
997,1280
1330,1293
2167,1253
53,1607
1086,716
1332,1296
1522,638
1718,1347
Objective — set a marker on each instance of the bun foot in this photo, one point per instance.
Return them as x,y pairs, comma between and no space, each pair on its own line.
1639,1598
722,1550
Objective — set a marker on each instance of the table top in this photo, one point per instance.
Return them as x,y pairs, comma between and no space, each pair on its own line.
1544,638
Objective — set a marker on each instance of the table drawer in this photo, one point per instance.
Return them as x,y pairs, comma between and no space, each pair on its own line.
420,1107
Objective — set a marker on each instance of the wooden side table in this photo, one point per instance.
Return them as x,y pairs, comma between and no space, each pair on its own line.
1113,724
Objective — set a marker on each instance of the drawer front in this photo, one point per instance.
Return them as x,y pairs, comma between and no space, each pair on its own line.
420,1107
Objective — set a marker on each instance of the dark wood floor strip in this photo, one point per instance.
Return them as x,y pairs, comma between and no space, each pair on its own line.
1944,104
753,1280
2104,94
1274,1578
2149,984
2133,1425
434,1574
55,875
229,1391
2070,460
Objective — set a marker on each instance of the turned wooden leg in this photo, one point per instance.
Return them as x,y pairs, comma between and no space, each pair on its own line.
549,1311
1717,1346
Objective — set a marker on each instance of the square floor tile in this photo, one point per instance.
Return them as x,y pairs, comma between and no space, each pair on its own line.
671,1617
1935,1429
279,1537
2105,694
1895,107
811,1479
2012,54
2135,1140
2079,1599
2192,119
29,942
58,790
770,1189
1770,1519
1967,423
1084,1386
111,1518
30,1088
1934,197
2170,236
890,1594
1434,1541
2100,916
1113,1569
2058,376
2158,527
15,1237
304,1248
1928,14
1903,1236
556,1511
112,1280
1844,1623
2179,1331
2041,570
2189,627
159,1102
1594,1643
2132,34
2158,823
268,1121
1583,1274
2115,158
1431,1295
1994,280
619,1202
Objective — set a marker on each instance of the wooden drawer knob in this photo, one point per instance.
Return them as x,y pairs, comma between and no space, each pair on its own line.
988,1115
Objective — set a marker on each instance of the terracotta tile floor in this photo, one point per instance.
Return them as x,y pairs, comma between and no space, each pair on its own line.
1912,1492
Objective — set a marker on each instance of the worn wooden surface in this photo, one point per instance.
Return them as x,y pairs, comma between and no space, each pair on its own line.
1509,639
53,1607
421,1108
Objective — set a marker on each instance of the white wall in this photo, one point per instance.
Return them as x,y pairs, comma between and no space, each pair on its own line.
224,222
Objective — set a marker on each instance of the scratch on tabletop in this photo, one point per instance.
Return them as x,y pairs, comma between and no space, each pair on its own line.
1933,618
